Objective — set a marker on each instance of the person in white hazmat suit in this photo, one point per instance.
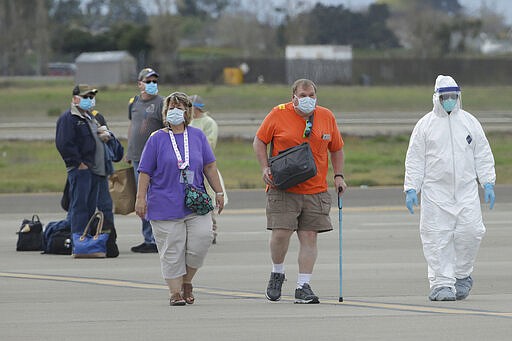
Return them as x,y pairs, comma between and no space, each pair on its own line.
448,156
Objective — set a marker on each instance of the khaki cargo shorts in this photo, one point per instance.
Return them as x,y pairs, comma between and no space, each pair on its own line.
291,211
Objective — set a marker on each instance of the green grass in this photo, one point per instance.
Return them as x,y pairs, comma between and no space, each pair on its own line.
35,166
42,100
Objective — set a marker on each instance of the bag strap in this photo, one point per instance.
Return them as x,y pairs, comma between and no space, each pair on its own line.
99,228
34,217
310,119
132,101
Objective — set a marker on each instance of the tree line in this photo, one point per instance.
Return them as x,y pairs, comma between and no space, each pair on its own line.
35,32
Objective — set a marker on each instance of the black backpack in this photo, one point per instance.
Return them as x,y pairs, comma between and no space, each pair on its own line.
57,238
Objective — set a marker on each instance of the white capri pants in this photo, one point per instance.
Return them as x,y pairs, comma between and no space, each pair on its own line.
182,242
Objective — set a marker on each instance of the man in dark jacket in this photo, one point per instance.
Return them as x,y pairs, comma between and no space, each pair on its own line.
83,152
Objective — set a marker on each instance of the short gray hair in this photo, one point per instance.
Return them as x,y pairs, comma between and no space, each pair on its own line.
302,83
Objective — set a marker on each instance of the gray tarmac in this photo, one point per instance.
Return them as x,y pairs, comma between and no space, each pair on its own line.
384,285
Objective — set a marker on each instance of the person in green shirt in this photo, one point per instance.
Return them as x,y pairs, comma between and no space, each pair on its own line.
201,119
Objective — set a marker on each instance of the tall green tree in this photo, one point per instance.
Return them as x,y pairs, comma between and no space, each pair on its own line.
339,25
164,40
451,6
68,33
435,28
102,25
101,14
24,26
202,8
123,11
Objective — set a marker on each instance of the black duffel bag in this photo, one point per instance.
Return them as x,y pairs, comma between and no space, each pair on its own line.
57,238
30,235
292,166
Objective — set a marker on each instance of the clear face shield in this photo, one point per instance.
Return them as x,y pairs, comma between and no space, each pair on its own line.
448,98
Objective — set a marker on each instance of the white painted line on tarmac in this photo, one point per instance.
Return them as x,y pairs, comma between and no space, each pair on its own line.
253,295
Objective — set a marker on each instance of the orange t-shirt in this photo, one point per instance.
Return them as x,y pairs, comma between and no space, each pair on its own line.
286,128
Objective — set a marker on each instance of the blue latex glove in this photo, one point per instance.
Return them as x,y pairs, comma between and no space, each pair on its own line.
411,198
489,194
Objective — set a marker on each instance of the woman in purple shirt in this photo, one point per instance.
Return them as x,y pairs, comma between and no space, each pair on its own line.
182,236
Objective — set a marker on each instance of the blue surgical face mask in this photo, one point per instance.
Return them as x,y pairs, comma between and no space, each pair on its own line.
151,88
449,104
175,116
85,103
306,104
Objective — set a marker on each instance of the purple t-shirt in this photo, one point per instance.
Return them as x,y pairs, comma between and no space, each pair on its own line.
166,194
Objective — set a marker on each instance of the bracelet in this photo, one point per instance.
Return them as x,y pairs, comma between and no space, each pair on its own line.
220,194
340,175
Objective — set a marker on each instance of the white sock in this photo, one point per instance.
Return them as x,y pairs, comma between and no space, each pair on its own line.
279,268
303,279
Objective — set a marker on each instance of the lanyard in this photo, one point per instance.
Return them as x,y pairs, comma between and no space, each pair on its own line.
181,164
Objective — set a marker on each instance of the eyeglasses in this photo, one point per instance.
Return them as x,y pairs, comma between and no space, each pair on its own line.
87,96
307,130
151,81
444,97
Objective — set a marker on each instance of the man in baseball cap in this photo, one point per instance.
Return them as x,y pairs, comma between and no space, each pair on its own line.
146,73
84,89
83,153
145,115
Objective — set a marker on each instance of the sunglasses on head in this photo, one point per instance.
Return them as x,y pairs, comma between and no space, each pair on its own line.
307,130
444,97
151,81
87,96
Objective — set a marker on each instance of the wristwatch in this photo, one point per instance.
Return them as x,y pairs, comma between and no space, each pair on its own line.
340,175
220,194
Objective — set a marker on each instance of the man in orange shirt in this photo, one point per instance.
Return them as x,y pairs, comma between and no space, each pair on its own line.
305,207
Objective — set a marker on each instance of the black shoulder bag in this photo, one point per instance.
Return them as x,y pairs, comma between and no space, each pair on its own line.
30,235
292,166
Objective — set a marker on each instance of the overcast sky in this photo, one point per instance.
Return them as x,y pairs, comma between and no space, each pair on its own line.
472,6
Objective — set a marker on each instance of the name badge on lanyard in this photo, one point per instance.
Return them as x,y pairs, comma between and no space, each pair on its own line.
190,176
183,165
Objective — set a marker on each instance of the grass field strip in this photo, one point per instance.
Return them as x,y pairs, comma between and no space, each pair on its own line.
253,295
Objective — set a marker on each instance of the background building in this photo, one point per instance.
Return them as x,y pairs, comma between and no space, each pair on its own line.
105,68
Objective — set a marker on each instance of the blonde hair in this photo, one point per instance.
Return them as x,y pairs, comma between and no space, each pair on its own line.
176,98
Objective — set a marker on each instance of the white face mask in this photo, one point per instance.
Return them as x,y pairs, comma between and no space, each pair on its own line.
306,104
175,116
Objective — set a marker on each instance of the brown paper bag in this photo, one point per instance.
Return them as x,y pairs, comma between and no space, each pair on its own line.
123,190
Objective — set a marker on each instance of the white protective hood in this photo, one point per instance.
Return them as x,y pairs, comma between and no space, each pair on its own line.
445,84
447,154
